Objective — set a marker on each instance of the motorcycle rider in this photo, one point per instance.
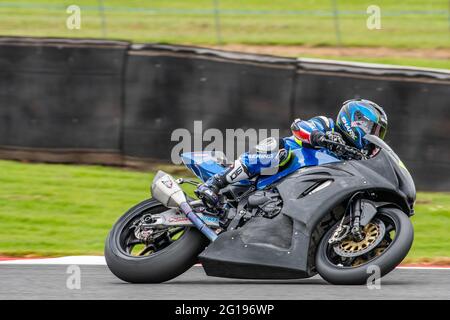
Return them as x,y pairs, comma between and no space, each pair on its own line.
356,118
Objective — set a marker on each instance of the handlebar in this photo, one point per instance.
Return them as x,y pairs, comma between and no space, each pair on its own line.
348,149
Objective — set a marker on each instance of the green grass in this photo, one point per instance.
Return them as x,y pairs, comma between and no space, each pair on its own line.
404,24
251,21
51,210
63,209
431,225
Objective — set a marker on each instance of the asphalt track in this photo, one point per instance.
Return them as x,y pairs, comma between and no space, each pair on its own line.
49,282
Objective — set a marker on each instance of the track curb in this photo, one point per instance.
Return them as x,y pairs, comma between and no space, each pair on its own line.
100,260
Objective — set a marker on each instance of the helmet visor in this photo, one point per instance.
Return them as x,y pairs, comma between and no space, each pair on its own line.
379,130
370,127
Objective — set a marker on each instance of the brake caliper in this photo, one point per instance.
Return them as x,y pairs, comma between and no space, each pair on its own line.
339,234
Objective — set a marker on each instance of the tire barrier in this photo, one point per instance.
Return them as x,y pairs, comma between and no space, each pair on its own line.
414,100
113,102
61,98
170,87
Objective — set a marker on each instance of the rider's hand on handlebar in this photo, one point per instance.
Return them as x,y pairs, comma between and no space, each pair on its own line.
318,139
335,137
329,140
334,142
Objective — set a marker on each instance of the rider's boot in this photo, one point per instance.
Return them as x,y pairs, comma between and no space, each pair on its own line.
209,191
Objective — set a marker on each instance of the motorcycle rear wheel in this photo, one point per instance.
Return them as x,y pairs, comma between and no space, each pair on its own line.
158,266
385,262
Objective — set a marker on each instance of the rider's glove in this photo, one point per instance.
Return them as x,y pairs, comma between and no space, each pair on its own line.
334,136
208,194
320,139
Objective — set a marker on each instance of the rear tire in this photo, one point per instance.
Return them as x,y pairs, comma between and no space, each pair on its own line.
386,262
157,267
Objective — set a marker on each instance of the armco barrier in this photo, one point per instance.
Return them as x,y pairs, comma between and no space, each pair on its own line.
112,102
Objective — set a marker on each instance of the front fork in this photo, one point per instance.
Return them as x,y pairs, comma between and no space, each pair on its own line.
361,211
355,218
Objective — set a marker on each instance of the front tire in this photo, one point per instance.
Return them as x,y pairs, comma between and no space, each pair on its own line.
386,261
159,266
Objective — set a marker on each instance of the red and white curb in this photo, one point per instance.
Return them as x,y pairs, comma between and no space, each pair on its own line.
100,261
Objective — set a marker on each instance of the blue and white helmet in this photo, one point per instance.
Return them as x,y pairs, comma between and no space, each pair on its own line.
359,117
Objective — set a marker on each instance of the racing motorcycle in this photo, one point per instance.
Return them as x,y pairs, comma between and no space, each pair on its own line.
320,214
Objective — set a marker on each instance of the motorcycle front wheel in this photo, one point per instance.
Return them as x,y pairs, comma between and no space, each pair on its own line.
167,253
353,263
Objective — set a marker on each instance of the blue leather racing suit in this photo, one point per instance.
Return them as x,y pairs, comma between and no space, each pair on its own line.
267,157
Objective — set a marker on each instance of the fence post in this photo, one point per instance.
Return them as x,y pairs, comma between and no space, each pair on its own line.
101,10
217,22
337,26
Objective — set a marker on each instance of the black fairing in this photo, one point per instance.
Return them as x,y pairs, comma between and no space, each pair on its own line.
236,254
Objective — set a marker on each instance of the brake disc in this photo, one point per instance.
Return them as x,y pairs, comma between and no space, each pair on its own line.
373,234
339,234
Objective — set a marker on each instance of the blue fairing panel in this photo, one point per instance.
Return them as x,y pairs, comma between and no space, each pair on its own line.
302,157
204,164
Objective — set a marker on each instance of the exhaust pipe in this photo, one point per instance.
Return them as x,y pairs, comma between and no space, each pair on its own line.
168,192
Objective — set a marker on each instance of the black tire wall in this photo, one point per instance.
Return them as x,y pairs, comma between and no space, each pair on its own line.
111,102
61,95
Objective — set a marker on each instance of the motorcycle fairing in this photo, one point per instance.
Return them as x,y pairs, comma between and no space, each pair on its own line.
231,255
302,157
234,255
205,164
